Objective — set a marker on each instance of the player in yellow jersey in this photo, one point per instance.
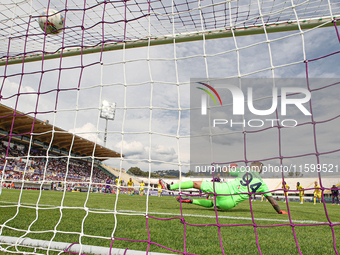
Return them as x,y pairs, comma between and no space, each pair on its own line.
286,187
160,193
118,182
317,192
141,189
130,187
300,188
262,197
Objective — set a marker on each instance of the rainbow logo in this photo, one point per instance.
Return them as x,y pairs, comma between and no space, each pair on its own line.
204,98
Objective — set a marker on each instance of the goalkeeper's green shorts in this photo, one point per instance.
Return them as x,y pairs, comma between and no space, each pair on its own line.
222,202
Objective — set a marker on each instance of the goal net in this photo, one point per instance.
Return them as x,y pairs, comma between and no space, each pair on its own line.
115,88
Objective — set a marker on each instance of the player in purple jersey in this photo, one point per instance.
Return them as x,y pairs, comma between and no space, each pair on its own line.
108,186
335,195
216,179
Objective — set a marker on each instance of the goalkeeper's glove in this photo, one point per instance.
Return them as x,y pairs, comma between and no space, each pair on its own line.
282,212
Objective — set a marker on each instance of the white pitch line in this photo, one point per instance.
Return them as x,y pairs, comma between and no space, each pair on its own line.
194,215
226,217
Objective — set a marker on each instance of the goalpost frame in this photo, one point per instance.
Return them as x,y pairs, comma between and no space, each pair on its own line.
188,37
69,247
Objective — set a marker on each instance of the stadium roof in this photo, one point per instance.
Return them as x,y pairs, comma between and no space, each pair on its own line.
42,135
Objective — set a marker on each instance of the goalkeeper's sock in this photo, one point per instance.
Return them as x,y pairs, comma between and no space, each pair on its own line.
202,202
184,185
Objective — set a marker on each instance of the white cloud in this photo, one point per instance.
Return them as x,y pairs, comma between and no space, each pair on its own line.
130,149
26,102
160,152
88,131
136,150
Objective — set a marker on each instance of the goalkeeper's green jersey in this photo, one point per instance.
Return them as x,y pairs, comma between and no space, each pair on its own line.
246,181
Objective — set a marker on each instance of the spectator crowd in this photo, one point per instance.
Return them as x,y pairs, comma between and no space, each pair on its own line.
40,166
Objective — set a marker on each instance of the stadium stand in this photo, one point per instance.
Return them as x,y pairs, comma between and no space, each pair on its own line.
36,165
56,168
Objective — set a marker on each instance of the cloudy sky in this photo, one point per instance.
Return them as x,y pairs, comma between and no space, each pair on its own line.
151,86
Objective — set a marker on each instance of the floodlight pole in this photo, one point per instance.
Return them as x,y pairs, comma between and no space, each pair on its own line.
105,135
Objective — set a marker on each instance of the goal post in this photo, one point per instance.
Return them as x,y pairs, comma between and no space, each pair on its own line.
178,38
72,248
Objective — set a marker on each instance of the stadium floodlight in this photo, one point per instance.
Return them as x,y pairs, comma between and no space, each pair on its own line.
107,112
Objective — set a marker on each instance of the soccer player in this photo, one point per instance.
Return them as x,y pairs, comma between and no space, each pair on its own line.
141,189
286,187
130,185
160,193
118,182
317,192
238,189
299,187
171,193
108,187
335,194
216,179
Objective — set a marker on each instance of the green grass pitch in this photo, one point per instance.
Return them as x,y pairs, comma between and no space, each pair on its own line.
199,240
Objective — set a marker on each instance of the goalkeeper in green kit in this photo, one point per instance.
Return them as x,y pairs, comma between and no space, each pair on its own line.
237,190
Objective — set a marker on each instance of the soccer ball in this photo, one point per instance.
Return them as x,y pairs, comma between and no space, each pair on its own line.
55,21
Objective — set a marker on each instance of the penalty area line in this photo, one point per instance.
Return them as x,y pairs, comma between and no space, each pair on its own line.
225,217
187,215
